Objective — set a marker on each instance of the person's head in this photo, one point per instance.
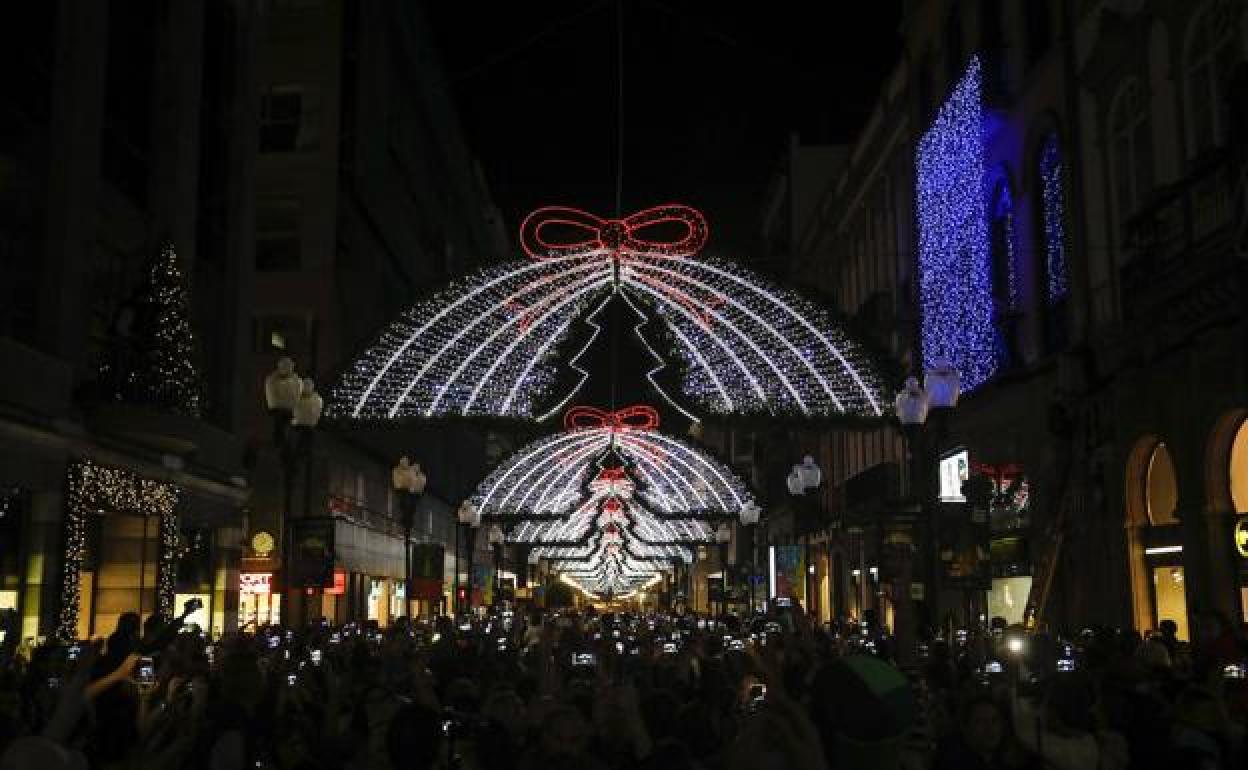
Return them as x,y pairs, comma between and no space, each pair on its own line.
566,732
127,625
414,738
1168,628
983,725
1069,702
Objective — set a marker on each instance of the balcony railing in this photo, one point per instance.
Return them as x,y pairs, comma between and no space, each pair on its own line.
1182,239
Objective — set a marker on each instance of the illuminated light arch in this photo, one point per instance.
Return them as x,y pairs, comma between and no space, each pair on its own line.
484,347
549,477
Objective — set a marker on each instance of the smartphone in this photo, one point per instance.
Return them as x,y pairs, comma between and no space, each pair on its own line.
584,659
784,601
1235,671
502,643
1065,664
993,667
275,642
54,682
315,657
465,626
737,644
335,637
669,648
758,692
291,679
146,671
75,650
701,623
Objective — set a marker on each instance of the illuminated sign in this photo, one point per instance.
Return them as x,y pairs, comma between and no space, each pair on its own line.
339,586
255,582
954,471
1241,536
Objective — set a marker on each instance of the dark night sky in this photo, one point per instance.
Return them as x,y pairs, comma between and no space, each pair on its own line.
711,93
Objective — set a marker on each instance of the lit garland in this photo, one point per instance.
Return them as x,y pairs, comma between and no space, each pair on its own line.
484,347
160,370
1054,219
98,489
955,260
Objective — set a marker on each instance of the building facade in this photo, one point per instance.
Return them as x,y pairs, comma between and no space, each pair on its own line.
189,198
1049,195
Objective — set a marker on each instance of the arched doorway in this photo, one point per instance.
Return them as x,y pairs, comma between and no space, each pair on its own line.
1226,491
1154,537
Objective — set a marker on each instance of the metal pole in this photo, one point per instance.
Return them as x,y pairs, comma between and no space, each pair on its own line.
455,595
407,552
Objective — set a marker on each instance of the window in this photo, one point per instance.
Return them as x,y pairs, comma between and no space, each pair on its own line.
288,118
1238,469
953,45
277,234
1052,232
1209,57
1129,156
281,333
1039,28
1005,279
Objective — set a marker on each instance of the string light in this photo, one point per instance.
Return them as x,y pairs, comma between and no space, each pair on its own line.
161,370
1054,201
955,267
97,489
484,346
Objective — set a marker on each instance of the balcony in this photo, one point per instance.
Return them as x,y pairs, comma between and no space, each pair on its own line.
1183,268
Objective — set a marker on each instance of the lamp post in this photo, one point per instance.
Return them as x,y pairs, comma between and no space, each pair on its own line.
803,477
723,536
923,412
468,517
408,481
495,537
749,515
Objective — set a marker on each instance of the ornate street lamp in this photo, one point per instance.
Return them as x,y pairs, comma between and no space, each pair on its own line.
408,481
468,517
495,537
723,536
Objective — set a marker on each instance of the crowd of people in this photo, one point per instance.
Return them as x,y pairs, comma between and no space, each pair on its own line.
544,690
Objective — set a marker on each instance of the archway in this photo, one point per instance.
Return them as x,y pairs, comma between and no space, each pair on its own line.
1154,539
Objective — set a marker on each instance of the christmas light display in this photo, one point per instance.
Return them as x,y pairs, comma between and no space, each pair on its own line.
550,476
96,489
485,346
152,361
955,260
1054,202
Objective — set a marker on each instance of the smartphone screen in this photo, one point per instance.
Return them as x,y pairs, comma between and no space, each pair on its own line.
146,670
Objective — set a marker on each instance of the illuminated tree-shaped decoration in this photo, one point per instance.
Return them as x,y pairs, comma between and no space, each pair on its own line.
550,477
153,352
486,346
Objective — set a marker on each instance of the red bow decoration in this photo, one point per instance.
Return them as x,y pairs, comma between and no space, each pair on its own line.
620,240
628,418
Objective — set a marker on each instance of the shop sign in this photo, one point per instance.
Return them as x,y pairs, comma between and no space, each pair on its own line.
1241,536
339,584
255,583
955,469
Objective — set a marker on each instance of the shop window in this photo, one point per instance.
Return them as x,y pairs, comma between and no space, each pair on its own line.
277,234
288,118
1154,538
1238,469
1130,158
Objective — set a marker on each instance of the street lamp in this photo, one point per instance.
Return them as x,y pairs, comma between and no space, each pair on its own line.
749,515
723,536
495,538
469,517
408,481
923,412
803,477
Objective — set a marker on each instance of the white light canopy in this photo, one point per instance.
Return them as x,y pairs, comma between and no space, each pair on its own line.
488,345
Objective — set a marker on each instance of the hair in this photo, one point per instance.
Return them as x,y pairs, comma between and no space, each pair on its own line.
414,737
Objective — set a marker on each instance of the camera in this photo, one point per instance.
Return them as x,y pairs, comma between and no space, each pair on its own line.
502,643
275,642
1235,671
737,645
335,637
292,679
758,692
74,651
584,659
619,648
315,657
669,648
1065,664
993,667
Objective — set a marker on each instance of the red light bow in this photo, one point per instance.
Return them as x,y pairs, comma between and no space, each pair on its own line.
619,240
628,418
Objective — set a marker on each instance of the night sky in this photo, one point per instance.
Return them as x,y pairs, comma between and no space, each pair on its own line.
711,93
